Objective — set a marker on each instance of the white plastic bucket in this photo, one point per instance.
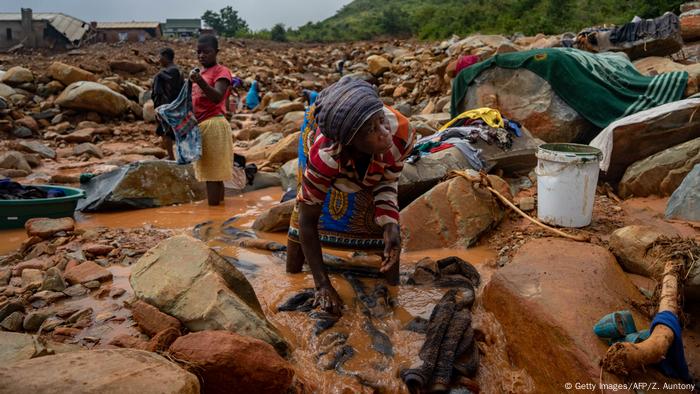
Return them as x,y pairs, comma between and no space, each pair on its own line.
567,175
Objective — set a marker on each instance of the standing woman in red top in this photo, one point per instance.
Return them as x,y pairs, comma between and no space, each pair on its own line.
209,93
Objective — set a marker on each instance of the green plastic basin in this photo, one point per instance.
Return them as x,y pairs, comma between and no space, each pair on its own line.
13,213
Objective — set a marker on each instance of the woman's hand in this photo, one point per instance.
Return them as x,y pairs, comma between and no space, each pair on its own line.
392,246
196,77
328,300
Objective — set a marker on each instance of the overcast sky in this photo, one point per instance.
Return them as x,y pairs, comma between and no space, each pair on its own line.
258,13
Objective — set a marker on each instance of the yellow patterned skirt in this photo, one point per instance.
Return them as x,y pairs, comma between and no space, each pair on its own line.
216,163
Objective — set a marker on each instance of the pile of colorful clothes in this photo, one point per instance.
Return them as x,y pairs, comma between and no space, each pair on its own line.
467,130
14,191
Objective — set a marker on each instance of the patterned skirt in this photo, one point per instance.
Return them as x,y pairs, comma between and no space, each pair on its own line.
347,219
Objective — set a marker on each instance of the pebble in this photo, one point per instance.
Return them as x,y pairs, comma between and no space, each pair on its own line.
118,292
75,291
51,323
93,284
79,315
47,296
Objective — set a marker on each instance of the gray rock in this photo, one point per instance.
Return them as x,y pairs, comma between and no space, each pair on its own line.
81,314
34,320
276,218
14,160
143,184
405,109
529,99
88,148
662,173
93,96
75,291
46,296
13,322
37,147
207,293
32,278
264,180
684,203
22,132
54,280
138,371
10,308
288,174
51,323
93,284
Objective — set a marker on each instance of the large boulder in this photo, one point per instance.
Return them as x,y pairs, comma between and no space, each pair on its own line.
285,150
98,371
661,173
92,96
224,360
451,215
144,184
207,293
632,245
548,299
690,25
645,133
283,107
276,218
523,95
684,203
378,65
483,45
17,76
67,74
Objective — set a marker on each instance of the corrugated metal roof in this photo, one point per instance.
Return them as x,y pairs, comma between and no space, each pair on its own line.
72,28
128,25
186,23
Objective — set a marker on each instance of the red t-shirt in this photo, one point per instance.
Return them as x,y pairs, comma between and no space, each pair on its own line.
203,107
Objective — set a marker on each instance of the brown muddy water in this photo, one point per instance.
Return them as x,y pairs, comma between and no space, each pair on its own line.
367,369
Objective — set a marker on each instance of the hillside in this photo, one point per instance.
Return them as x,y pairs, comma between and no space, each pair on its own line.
436,19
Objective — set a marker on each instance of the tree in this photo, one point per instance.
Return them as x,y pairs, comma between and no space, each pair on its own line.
394,22
278,33
226,22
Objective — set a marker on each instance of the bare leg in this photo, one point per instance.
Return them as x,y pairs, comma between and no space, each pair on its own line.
214,192
295,257
167,144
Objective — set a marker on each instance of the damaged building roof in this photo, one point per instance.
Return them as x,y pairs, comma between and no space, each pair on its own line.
128,25
70,27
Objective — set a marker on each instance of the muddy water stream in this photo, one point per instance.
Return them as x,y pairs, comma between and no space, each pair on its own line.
367,368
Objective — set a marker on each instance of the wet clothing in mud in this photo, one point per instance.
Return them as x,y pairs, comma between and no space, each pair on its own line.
166,87
449,348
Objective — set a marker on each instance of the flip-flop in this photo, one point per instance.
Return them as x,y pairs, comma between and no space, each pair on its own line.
638,336
615,325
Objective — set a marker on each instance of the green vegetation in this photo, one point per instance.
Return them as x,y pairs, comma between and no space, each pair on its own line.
278,33
438,19
226,22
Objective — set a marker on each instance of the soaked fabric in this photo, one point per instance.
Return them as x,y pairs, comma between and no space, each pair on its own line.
14,191
216,162
179,116
674,364
449,337
601,87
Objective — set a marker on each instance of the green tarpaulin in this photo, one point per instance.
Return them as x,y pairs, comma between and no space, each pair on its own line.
601,87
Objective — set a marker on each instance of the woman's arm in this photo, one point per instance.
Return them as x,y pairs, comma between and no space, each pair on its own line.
327,298
214,93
